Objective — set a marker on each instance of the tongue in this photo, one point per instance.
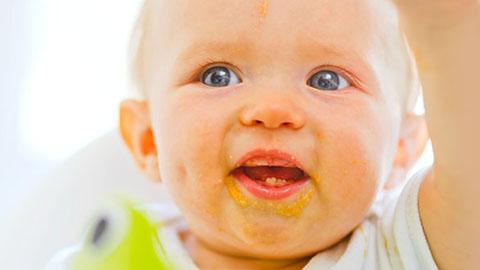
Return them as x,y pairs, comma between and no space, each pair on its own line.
261,173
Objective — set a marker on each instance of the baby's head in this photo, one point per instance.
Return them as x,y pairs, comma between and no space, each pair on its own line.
273,124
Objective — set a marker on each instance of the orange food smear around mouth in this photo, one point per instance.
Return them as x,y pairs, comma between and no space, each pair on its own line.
286,209
236,194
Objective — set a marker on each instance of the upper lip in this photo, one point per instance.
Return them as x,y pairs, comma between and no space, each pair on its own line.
273,157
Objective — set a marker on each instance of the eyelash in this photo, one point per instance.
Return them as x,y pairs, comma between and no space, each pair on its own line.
327,66
205,64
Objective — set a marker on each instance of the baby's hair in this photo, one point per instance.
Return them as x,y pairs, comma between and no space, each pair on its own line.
139,42
415,88
412,87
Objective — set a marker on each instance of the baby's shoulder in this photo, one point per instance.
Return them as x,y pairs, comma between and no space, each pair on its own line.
397,232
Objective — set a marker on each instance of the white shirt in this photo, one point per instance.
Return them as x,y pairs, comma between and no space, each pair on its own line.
389,239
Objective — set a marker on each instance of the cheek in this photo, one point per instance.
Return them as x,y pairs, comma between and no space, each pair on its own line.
191,156
188,129
347,181
350,176
354,152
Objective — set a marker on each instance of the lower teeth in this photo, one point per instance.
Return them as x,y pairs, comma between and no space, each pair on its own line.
273,181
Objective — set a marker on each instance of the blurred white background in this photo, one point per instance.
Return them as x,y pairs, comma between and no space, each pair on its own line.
63,71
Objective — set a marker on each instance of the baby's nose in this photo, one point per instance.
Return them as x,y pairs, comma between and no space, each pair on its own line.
273,113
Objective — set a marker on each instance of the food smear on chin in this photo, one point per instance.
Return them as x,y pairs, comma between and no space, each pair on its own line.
284,208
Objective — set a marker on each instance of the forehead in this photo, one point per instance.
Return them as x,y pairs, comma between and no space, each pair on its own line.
346,23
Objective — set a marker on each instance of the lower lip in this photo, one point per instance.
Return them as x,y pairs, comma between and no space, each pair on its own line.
270,192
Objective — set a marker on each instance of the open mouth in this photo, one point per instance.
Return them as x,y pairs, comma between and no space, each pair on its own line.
270,175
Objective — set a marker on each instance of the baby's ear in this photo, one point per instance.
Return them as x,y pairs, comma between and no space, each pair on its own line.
411,143
136,130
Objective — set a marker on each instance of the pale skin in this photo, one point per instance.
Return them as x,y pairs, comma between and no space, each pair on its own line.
355,141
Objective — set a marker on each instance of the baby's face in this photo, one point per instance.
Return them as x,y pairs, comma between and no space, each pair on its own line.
276,122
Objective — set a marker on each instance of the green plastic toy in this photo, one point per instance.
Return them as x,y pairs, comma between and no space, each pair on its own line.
124,239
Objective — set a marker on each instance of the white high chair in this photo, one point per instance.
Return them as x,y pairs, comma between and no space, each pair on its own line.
56,214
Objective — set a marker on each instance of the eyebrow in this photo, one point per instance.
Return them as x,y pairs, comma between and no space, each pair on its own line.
349,58
204,49
244,49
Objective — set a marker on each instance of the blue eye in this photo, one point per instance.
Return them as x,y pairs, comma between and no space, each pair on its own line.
328,80
219,76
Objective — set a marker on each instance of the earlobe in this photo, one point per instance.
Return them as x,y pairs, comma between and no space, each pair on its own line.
411,143
136,131
415,134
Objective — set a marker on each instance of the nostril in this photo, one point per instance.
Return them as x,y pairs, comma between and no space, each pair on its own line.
272,116
274,124
288,125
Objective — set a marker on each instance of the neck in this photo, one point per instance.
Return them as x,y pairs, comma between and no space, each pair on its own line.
208,258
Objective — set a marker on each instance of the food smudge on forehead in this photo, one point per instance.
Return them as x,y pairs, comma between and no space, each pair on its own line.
263,9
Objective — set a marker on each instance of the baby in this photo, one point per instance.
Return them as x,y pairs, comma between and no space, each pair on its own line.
277,125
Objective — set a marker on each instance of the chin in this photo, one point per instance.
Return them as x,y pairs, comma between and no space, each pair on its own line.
273,238
268,247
